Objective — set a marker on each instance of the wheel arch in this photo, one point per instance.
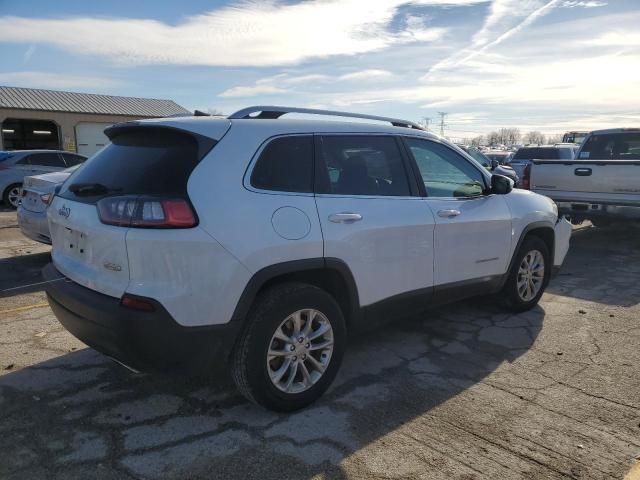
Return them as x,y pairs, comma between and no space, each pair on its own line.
542,230
331,274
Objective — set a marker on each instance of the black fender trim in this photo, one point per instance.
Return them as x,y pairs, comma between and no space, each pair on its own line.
263,276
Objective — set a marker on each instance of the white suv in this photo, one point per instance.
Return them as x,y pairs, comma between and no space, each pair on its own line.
258,243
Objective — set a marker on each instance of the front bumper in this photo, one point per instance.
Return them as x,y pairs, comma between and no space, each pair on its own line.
143,341
34,225
562,237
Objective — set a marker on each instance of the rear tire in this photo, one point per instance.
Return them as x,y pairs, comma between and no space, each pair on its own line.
283,367
601,222
11,195
529,275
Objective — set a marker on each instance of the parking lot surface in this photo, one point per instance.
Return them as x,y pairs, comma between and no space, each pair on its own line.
465,391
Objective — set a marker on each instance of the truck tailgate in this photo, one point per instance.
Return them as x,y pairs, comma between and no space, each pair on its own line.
601,181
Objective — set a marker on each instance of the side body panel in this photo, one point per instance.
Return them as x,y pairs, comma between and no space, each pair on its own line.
258,228
474,244
390,251
187,271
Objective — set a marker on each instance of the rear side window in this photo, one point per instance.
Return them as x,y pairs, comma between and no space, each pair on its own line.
46,160
285,165
72,160
619,146
361,165
538,154
147,161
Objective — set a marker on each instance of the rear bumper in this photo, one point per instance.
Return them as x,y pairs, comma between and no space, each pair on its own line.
143,341
586,210
34,225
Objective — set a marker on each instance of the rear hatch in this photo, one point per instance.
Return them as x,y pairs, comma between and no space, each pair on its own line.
130,182
607,168
34,187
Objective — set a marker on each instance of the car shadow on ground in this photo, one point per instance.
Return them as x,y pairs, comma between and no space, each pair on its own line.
611,254
22,274
81,414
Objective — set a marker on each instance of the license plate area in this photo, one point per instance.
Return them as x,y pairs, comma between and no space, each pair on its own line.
75,243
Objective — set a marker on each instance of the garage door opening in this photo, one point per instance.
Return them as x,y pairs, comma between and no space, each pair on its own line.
19,134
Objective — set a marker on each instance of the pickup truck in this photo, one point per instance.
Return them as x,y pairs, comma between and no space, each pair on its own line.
602,184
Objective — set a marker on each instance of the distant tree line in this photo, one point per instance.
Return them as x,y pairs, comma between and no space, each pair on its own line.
512,136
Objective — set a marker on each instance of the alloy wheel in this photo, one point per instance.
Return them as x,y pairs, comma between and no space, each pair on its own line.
530,275
300,351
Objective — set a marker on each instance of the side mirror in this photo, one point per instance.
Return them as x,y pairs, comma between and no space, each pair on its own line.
501,185
494,164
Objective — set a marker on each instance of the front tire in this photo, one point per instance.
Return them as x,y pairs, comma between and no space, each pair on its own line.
291,348
529,275
11,195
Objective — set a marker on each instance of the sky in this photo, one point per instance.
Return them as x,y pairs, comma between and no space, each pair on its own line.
548,65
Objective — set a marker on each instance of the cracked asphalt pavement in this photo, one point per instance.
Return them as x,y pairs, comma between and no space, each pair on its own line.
465,391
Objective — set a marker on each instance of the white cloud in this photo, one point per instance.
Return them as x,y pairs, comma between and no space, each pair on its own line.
251,91
583,4
251,33
505,19
28,54
283,82
54,81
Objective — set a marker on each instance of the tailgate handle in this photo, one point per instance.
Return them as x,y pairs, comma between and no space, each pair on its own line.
583,172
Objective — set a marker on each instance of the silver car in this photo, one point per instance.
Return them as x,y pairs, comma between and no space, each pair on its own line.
17,164
37,193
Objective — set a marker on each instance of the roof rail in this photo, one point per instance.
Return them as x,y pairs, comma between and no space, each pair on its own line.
273,112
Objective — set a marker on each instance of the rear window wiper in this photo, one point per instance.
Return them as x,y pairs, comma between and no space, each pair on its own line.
81,189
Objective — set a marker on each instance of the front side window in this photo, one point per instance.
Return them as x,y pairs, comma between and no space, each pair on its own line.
444,172
285,165
361,165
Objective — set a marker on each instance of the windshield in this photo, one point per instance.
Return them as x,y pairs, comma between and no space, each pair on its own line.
621,146
543,153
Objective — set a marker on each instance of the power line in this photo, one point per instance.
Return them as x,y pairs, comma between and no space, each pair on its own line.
427,121
442,115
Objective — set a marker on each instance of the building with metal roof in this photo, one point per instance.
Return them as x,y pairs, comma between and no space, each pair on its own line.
35,118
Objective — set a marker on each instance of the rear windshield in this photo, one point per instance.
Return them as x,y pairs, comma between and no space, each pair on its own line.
538,153
146,161
617,146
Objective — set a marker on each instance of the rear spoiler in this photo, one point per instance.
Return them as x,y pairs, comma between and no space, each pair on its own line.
205,143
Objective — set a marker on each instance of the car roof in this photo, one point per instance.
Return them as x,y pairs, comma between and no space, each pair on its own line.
215,127
615,130
38,150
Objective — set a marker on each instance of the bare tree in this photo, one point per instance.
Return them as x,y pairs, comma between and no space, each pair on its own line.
554,138
477,141
493,138
534,137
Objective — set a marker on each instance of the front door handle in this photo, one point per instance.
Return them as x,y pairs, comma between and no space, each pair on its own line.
345,217
449,213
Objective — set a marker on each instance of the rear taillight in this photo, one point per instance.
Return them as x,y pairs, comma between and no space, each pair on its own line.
147,212
526,176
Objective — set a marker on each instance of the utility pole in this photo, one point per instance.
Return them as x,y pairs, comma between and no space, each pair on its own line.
427,121
442,115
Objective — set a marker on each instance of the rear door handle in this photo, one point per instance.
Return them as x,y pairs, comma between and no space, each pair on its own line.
449,213
345,217
582,172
